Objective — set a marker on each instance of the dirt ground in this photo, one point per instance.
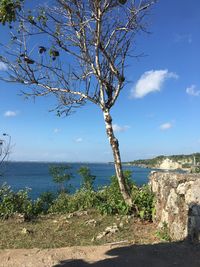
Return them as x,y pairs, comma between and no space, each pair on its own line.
57,241
155,255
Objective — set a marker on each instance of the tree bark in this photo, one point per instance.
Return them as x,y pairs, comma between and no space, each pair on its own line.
117,158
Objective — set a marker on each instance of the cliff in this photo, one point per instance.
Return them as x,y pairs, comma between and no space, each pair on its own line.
172,162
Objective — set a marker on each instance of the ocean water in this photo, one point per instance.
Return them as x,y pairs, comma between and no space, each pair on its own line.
35,175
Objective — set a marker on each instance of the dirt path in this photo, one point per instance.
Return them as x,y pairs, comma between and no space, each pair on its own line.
156,255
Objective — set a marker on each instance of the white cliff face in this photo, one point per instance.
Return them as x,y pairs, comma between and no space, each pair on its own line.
168,164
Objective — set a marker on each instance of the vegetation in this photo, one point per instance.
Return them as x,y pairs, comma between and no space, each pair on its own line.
87,177
5,146
107,200
163,233
61,176
196,170
76,219
143,200
57,230
12,202
151,163
8,10
96,37
148,162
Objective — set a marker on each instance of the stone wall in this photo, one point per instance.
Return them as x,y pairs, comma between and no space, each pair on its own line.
177,203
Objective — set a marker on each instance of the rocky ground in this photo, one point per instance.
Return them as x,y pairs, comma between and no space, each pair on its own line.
87,239
75,229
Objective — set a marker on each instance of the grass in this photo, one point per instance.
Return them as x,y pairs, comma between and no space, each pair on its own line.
53,231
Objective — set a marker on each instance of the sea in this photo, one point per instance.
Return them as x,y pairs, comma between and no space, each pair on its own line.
36,177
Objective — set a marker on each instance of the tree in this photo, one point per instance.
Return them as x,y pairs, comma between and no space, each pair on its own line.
8,10
76,50
61,176
88,178
5,144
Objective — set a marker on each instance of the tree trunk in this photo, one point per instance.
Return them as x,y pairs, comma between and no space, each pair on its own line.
117,159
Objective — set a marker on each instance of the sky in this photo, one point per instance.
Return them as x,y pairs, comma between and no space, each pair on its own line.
157,112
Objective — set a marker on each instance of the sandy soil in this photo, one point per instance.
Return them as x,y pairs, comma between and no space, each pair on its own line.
155,255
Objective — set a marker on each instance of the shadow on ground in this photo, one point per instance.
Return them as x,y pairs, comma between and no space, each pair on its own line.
177,254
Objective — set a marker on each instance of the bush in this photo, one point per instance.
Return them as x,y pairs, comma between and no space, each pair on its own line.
60,204
83,199
163,233
12,202
43,203
143,202
197,170
110,198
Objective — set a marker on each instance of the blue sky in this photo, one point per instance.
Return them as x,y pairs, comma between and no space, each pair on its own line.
157,112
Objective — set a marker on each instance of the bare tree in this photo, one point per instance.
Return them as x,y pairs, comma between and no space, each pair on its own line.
76,50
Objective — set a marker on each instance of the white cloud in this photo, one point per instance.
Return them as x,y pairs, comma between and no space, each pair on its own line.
117,128
166,126
3,66
10,113
56,130
79,140
192,90
151,81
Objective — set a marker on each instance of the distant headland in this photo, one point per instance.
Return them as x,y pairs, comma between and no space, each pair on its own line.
190,163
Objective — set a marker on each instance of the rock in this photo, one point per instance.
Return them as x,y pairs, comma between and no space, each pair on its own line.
101,235
112,229
81,213
121,225
91,222
108,231
177,203
77,213
127,218
70,215
19,217
25,231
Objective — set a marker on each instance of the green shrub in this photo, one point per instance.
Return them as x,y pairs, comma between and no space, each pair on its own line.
60,204
43,203
143,202
163,233
83,199
12,202
110,198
